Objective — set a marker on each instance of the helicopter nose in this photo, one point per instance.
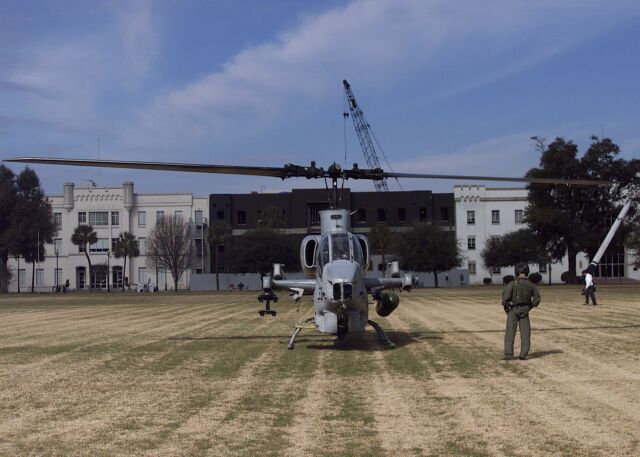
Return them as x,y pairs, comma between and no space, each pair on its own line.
341,275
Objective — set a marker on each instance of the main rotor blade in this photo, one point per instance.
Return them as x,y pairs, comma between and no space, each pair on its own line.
277,172
581,182
290,171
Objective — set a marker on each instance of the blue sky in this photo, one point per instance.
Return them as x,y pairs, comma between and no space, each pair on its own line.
448,87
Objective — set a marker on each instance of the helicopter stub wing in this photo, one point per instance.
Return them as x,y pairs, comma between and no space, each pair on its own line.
308,285
405,282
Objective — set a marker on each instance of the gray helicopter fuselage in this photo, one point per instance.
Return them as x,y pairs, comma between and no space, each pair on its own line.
339,261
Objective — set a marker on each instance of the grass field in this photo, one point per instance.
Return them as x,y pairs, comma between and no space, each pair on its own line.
203,374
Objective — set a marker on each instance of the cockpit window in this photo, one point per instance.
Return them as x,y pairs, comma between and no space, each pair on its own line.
340,247
324,251
357,250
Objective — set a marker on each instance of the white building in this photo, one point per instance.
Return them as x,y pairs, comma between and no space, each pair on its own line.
483,212
111,211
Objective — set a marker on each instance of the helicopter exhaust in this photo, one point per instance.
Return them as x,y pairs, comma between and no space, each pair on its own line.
387,303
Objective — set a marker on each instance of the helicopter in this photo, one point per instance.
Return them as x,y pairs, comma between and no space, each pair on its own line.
336,259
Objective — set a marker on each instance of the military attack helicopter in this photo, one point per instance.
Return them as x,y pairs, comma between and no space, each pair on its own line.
336,258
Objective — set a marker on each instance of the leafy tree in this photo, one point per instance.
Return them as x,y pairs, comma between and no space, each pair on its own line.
170,247
84,236
257,250
126,246
219,232
272,218
32,224
7,202
381,238
571,219
428,248
508,250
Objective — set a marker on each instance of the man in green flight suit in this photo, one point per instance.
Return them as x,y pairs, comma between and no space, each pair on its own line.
518,298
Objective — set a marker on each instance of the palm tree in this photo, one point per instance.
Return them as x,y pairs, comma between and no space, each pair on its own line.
219,231
84,236
126,246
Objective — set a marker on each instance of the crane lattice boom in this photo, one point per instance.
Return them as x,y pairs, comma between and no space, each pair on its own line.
362,130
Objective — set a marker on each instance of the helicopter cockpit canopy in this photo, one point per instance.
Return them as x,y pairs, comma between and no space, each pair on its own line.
340,246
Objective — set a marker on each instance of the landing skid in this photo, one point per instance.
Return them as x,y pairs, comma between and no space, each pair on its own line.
381,335
309,323
299,326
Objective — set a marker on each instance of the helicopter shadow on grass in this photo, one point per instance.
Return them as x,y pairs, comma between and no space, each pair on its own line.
367,341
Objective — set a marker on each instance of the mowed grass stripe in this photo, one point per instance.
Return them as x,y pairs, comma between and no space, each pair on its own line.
442,391
546,403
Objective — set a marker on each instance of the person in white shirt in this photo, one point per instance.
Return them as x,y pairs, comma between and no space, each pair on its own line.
589,288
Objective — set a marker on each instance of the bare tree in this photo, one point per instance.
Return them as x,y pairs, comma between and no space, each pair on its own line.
169,247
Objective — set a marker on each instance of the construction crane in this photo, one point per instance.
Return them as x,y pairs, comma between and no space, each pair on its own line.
364,133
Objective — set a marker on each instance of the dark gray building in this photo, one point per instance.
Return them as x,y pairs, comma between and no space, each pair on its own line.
300,209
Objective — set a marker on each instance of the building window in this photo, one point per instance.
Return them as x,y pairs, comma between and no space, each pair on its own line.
40,277
242,218
402,215
142,276
495,216
57,220
81,247
57,245
114,242
444,214
57,276
382,215
142,219
472,268
220,215
422,214
22,277
159,217
471,217
102,245
115,218
82,218
471,243
178,215
542,268
97,218
362,215
519,216
495,270
313,212
198,216
142,246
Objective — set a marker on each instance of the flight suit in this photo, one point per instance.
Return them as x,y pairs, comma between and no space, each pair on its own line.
518,297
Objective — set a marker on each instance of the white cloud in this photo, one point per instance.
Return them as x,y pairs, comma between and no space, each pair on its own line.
377,41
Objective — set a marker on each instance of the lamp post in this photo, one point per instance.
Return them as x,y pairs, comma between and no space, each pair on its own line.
108,267
57,253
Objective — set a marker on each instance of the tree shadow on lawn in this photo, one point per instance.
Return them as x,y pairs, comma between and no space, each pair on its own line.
538,329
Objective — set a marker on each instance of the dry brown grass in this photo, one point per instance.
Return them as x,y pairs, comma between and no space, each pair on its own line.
202,374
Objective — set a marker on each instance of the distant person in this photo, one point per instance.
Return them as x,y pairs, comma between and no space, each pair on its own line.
518,298
65,286
446,278
589,288
240,286
461,279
